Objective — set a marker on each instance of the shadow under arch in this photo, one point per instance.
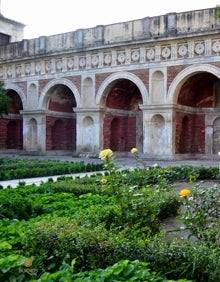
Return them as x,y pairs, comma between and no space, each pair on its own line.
104,87
43,101
179,80
19,91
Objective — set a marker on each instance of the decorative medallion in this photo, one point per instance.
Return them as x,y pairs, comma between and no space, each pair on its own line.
216,47
199,48
166,52
150,54
9,71
95,60
121,57
28,69
182,50
38,67
18,70
82,62
107,59
135,56
59,65
70,63
48,66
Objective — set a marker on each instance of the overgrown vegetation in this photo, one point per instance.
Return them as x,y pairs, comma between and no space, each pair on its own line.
110,227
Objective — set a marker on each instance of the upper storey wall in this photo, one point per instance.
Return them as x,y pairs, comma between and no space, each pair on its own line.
147,29
13,29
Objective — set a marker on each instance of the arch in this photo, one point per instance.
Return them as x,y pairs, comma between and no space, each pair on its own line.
178,81
19,91
103,89
45,97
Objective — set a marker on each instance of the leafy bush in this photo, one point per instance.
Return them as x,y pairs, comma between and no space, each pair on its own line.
201,215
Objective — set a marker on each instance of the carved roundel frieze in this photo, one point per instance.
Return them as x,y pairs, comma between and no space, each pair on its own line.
59,65
9,71
28,69
166,52
216,47
135,56
48,66
18,70
38,67
121,58
70,63
199,48
82,62
182,50
95,60
107,59
150,54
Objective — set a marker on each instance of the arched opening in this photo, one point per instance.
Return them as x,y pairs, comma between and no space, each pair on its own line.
196,96
122,118
60,119
11,125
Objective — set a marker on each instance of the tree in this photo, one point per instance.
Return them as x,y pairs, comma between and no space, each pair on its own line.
4,100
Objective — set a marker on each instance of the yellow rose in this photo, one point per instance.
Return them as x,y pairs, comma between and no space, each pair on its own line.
104,180
107,153
134,150
184,193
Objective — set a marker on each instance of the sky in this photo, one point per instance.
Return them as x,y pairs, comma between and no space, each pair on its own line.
50,17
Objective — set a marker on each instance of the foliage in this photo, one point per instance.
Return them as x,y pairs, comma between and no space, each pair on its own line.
15,168
107,227
124,270
4,100
201,215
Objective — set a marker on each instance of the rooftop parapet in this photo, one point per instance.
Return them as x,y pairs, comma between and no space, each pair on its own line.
147,29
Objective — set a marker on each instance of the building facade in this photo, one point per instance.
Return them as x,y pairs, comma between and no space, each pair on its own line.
151,83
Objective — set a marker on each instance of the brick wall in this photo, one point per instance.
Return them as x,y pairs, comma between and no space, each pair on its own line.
119,132
190,133
11,134
60,133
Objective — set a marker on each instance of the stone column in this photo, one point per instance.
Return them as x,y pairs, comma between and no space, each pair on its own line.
34,132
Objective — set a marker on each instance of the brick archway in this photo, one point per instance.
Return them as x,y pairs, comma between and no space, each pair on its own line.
60,119
122,115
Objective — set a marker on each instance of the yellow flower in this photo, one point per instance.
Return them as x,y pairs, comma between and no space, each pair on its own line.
106,154
219,153
28,262
184,193
104,180
134,150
